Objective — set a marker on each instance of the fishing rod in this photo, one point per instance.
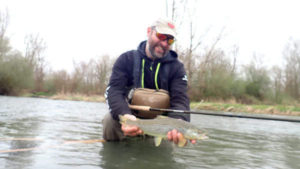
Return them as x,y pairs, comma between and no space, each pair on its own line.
210,113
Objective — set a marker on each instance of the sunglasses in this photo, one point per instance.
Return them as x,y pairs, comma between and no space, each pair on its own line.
162,37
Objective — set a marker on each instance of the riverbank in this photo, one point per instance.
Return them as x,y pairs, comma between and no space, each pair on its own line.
78,97
68,96
258,109
215,106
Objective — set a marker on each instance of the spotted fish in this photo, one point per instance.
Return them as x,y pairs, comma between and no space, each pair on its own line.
161,125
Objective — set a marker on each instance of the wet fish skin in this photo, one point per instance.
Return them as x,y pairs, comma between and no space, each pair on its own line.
160,126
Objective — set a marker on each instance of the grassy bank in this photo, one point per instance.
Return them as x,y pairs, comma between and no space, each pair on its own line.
78,97
235,107
68,96
226,107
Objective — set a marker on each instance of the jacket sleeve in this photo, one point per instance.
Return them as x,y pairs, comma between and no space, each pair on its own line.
116,92
178,93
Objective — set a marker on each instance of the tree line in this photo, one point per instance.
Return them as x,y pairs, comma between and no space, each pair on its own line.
213,73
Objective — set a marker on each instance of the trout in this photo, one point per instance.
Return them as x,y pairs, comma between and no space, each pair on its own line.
161,125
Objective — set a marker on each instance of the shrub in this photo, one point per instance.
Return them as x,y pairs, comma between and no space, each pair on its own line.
15,75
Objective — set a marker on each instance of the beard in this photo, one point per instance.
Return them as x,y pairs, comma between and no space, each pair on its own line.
157,46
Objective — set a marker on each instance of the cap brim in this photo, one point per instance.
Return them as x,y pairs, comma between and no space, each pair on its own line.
166,31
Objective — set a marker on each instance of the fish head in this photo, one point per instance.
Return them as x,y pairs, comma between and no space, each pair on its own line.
195,134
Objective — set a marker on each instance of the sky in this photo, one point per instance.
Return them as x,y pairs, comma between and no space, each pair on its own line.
78,30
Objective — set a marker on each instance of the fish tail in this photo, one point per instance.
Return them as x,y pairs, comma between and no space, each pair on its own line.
157,141
182,142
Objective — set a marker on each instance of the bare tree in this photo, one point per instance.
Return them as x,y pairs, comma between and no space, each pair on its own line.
206,65
181,13
4,41
175,9
76,79
278,83
257,77
235,54
60,81
35,47
103,68
90,77
292,69
184,14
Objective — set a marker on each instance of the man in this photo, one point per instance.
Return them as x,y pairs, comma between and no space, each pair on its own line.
155,66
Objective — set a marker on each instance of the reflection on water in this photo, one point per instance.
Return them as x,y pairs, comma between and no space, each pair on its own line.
138,153
47,124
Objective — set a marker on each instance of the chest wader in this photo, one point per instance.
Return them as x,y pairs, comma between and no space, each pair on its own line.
158,98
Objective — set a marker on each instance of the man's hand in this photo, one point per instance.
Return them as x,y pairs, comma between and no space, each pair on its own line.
130,130
178,138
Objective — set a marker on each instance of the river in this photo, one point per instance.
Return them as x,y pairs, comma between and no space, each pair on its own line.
34,131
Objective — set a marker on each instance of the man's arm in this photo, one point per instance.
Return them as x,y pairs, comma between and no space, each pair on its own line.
116,90
180,101
178,93
130,130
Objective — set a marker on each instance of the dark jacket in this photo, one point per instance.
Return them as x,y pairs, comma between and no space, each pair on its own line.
122,80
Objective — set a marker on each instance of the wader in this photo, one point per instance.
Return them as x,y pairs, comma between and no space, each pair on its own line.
112,128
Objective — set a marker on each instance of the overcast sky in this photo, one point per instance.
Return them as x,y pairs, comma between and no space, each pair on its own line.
82,29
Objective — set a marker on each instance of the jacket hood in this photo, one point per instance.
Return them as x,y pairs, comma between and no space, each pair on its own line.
171,56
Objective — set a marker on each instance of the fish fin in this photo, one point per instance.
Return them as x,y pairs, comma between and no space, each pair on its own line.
182,142
204,137
161,117
157,141
122,119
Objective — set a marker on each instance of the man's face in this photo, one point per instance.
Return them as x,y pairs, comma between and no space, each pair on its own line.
158,48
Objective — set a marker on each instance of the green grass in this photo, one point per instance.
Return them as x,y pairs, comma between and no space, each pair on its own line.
288,108
37,94
260,107
257,108
42,94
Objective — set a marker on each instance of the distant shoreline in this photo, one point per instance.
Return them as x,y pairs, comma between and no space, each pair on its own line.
213,106
257,109
78,97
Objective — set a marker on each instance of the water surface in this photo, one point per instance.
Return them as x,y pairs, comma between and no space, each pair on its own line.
47,124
